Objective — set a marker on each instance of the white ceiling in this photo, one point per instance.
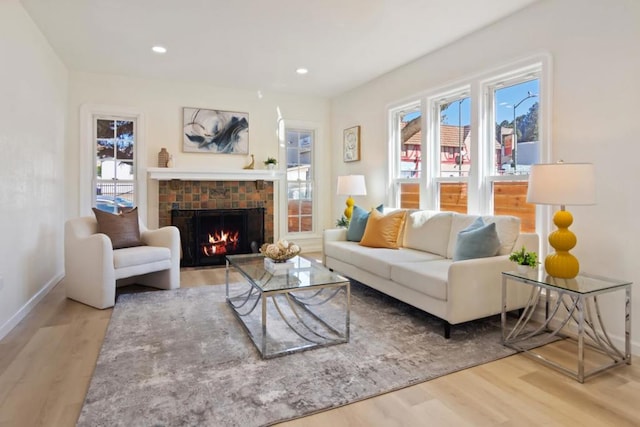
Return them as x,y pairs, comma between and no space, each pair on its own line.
258,44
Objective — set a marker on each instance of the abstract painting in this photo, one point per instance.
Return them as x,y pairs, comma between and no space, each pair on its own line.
215,131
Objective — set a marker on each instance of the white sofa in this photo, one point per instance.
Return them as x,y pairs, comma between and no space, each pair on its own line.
422,272
93,268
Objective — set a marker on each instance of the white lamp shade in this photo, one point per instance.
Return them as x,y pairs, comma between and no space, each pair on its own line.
562,184
351,185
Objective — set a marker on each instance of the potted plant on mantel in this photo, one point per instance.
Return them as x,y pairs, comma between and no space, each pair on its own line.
524,260
270,163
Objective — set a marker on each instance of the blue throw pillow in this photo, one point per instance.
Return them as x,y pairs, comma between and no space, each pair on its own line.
358,223
477,241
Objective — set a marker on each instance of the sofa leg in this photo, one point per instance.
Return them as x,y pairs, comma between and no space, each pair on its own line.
447,329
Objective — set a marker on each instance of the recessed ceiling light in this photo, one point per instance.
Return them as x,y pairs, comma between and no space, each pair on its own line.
159,49
302,70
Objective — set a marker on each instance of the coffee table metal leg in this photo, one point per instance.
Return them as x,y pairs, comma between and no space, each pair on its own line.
263,297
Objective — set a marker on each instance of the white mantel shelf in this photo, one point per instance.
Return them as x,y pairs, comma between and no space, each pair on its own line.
167,174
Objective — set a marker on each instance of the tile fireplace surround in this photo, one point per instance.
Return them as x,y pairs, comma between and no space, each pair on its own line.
178,194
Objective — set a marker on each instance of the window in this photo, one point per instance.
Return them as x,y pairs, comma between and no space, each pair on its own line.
112,173
300,183
407,128
452,149
114,180
480,139
516,122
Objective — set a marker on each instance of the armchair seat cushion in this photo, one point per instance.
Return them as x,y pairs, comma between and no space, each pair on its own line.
127,257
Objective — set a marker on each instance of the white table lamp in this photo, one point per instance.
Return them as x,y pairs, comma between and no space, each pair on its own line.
562,184
351,185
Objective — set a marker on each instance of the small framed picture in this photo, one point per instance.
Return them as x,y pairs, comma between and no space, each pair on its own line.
351,147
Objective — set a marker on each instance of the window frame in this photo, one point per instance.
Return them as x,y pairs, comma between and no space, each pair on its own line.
315,129
432,124
88,114
481,175
395,149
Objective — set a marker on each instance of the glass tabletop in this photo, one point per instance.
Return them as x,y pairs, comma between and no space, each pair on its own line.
581,284
300,274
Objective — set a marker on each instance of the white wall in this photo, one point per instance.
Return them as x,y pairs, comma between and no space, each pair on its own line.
161,102
33,90
595,106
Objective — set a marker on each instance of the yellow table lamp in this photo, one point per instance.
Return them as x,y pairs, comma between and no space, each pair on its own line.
351,185
562,184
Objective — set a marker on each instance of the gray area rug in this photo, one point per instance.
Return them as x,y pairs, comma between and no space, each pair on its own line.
174,358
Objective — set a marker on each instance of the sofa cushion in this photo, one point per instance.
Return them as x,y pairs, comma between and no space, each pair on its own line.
358,223
127,257
383,231
428,231
123,229
507,227
341,250
379,261
429,278
478,240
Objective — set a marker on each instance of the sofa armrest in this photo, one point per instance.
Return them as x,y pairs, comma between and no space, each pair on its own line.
89,269
166,237
475,288
334,234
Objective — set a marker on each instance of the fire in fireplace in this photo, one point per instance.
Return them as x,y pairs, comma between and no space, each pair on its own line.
221,243
207,235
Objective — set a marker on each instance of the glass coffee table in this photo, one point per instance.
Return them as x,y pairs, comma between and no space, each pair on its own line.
303,307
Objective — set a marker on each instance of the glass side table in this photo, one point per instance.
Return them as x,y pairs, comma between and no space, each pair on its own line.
568,303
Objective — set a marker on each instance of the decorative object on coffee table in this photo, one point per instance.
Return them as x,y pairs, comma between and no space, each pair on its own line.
280,251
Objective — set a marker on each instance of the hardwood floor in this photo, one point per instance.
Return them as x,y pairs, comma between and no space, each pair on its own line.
47,361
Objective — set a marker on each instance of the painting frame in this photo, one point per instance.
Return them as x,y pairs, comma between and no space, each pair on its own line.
213,131
351,144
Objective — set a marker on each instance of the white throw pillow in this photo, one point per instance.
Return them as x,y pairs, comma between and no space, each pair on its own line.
428,231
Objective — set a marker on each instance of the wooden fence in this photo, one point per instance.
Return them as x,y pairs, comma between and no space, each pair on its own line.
509,198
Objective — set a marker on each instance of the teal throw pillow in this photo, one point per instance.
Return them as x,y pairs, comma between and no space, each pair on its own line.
478,240
358,223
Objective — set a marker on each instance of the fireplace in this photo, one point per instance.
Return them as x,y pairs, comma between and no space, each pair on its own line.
207,235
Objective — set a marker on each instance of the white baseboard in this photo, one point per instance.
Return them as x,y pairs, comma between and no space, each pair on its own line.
26,309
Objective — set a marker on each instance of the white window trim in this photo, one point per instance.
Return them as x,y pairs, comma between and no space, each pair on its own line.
87,155
394,150
284,208
479,186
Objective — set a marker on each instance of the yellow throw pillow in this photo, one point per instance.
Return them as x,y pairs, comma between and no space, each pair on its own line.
382,231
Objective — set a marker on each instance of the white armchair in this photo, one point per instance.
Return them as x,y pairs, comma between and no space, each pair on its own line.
93,269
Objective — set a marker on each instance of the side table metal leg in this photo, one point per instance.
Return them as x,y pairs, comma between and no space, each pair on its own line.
503,314
627,325
581,307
